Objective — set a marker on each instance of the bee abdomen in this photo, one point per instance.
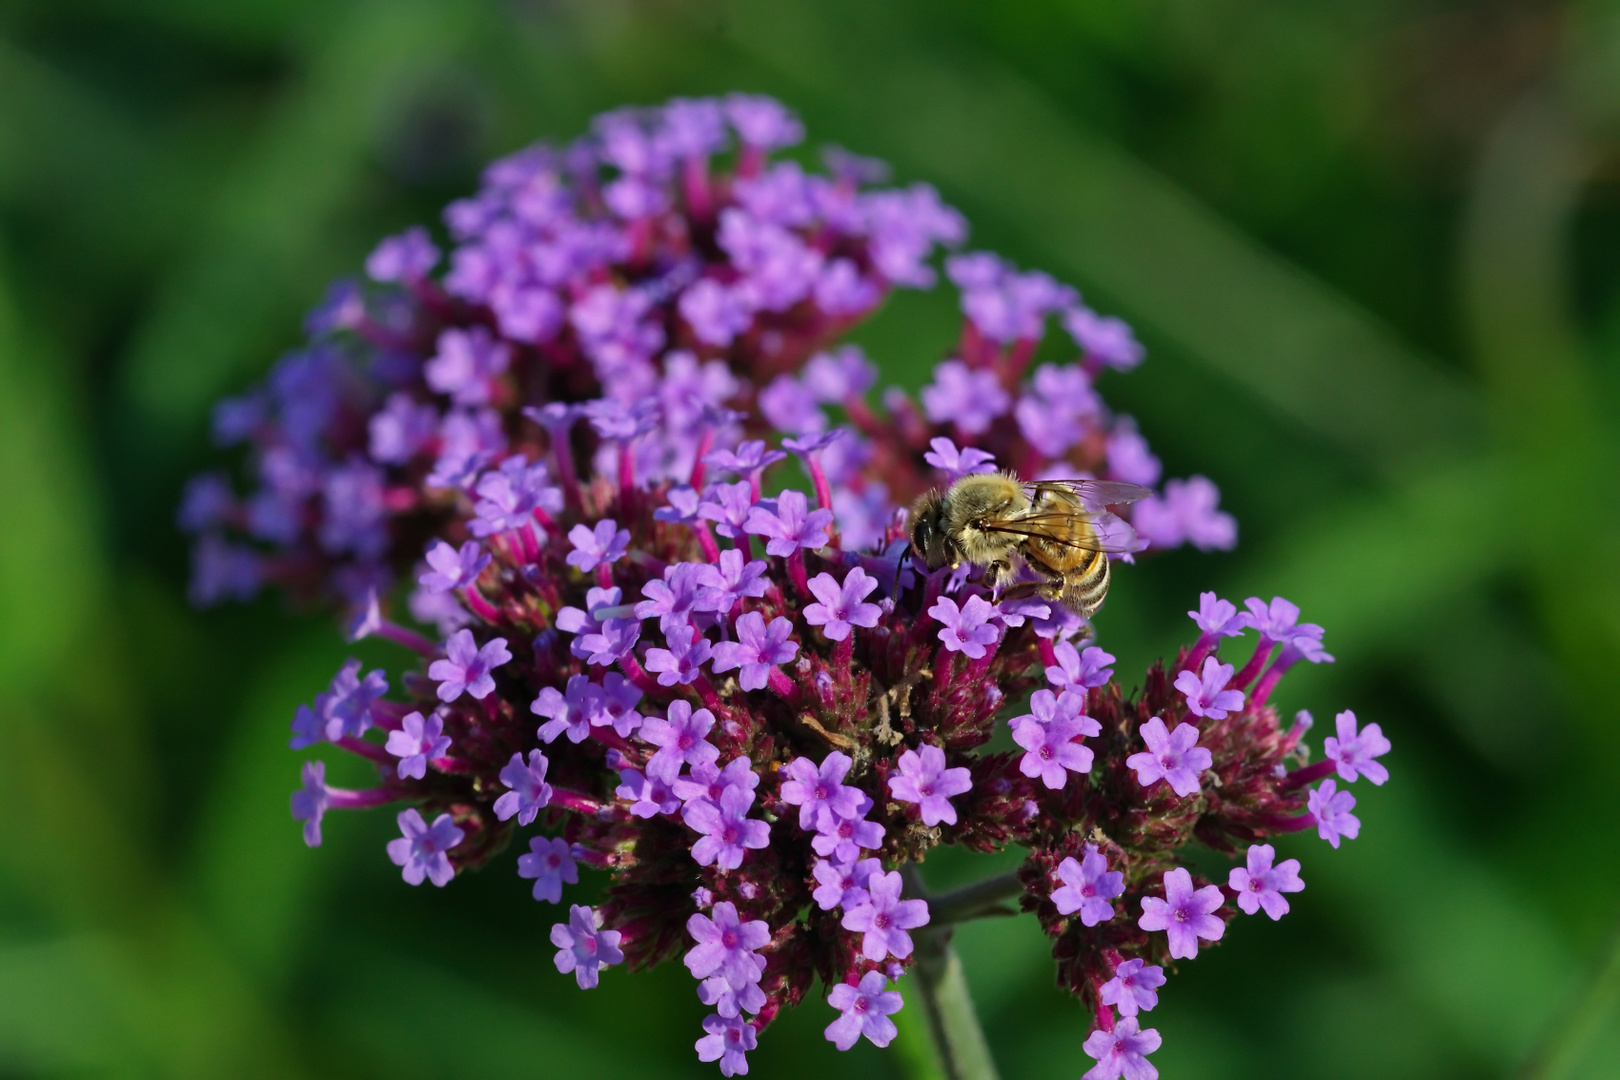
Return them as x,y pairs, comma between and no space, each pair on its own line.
1083,592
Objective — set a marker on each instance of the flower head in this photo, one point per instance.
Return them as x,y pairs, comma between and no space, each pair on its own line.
1206,694
922,778
1261,885
1331,808
583,947
1185,914
1088,885
1172,756
1354,752
550,862
421,851
840,608
865,1010
1134,987
1122,1052
966,629
884,918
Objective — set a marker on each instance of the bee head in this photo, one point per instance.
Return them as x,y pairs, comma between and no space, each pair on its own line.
928,536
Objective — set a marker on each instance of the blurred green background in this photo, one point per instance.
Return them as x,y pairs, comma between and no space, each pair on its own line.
1373,248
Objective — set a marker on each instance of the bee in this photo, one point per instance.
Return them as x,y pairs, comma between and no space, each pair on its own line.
1059,529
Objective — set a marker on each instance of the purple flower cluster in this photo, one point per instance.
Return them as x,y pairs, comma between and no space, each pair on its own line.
735,698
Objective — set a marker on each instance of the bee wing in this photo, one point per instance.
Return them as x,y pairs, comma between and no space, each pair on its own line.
1096,494
1108,532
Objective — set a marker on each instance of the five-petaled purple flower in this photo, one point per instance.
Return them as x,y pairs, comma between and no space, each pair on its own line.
843,884
727,829
728,1041
1216,617
550,862
956,463
1331,808
466,667
866,1009
571,711
1122,1052
1134,987
530,793
1172,756
1087,887
1185,914
839,608
884,918
648,796
683,661
1353,753
967,629
583,948
1077,670
727,946
1261,885
681,738
421,851
310,802
790,524
922,778
756,651
819,791
968,398
1207,695
593,547
1051,752
416,742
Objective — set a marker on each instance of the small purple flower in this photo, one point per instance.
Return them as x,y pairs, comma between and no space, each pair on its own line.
1129,456
606,543
1261,885
1079,671
728,1041
790,524
1353,753
956,463
819,791
416,742
726,946
400,429
839,608
467,667
709,781
1051,752
884,918
1104,338
1276,620
788,408
967,629
648,796
1185,914
727,1001
840,375
509,495
680,738
683,661
1217,617
716,313
421,851
466,363
1087,887
1122,1052
1172,756
731,579
405,257
848,836
310,803
453,569
748,459
727,829
1187,513
608,643
572,710
618,703
583,948
550,861
843,884
922,778
865,1009
530,793
728,505
674,597
344,709
756,651
959,394
766,124
1134,987
1207,696
1331,808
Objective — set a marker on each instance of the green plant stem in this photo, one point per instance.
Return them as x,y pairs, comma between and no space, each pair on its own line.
1570,1038
947,1004
976,901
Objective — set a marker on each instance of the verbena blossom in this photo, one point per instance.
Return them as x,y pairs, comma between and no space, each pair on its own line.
1261,884
545,454
1134,987
1185,914
1122,1052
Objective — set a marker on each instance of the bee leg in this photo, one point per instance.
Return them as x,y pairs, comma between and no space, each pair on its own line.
1019,592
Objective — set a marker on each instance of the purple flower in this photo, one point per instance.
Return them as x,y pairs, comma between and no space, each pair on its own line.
510,495
310,803
766,124
583,948
922,778
727,829
466,363
1129,457
716,313
1122,1052
728,1041
530,793
1353,753
787,407
844,840
1276,620
1105,339
1206,696
1217,617
865,1009
1051,752
467,667
421,851
1185,915
726,946
731,579
789,524
1186,514
1172,756
676,596
683,506
406,257
967,629
1088,885
1331,809
550,861
958,463
620,422
619,698
400,429
728,505
453,569
819,791
680,738
1079,671
839,608
648,796
416,742
728,1002
756,651
709,781
843,884
1261,885
683,661
839,375
1134,987
968,398
606,543
748,459
344,708
884,918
